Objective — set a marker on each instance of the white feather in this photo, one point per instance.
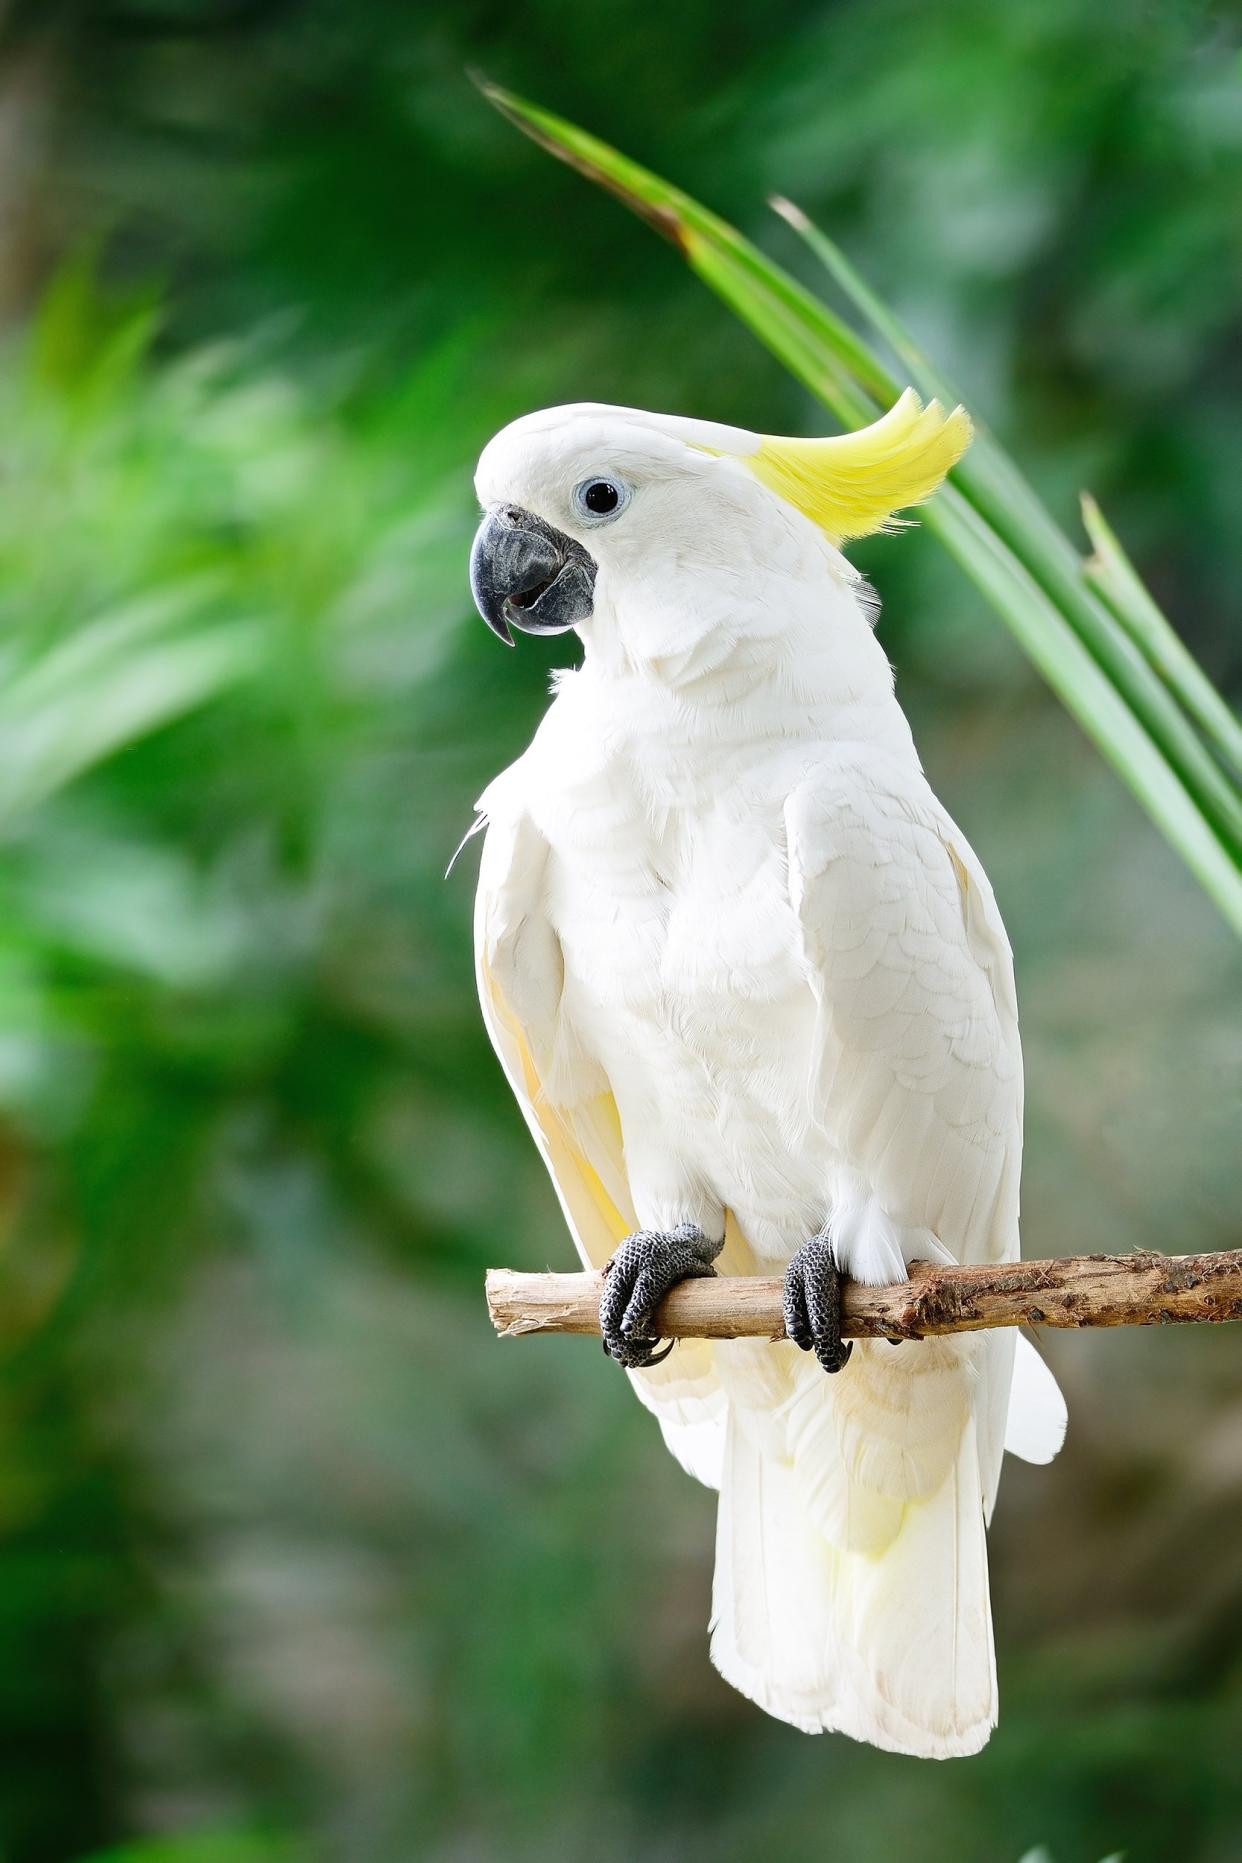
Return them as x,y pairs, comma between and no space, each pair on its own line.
895,1650
1035,1428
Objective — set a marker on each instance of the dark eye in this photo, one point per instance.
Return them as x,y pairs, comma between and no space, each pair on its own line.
600,498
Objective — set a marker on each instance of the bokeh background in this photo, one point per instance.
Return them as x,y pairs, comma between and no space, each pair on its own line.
296,1562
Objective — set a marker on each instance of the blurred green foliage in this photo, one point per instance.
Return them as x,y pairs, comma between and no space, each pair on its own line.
295,1561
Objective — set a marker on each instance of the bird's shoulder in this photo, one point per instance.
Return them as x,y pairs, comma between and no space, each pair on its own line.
879,869
860,806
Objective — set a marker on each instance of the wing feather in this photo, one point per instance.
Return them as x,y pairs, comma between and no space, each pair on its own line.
921,1075
920,1084
572,1115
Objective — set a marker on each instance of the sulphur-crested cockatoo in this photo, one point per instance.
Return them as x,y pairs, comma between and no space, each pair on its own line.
751,988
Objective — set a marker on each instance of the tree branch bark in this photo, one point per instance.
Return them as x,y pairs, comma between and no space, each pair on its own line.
1142,1289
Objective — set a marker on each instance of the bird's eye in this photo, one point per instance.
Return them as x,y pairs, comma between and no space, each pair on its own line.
596,500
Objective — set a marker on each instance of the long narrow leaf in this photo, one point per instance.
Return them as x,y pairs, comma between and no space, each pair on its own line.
1114,575
1087,694
1109,687
697,233
997,488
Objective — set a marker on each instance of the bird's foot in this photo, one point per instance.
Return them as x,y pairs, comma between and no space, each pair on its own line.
813,1304
644,1268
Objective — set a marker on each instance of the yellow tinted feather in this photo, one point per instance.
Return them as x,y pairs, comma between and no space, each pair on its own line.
851,484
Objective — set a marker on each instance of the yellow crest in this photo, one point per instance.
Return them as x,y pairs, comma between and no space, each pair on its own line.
852,483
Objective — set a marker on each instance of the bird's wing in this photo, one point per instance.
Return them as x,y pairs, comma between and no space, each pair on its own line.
919,1079
568,1104
920,1074
871,1511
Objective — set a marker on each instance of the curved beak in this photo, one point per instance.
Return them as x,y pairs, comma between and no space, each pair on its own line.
527,575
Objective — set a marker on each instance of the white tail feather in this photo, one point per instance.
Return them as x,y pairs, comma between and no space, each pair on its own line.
1035,1428
685,1395
895,1649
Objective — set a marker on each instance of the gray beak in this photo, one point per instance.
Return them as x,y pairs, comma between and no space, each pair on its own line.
527,575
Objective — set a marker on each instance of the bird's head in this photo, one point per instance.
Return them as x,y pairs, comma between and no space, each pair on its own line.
667,527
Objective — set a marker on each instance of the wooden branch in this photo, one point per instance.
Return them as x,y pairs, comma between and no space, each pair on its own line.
1142,1289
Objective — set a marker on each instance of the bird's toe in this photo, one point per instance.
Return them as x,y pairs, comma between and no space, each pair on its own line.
646,1265
813,1284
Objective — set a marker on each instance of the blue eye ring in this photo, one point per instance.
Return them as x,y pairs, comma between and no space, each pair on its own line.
600,498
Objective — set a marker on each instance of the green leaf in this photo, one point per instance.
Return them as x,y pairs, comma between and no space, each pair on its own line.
1112,573
995,526
118,678
995,485
1087,693
718,253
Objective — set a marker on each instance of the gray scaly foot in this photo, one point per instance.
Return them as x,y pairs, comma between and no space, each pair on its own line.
813,1304
644,1268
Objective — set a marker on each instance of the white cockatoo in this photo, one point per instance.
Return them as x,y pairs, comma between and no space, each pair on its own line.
751,988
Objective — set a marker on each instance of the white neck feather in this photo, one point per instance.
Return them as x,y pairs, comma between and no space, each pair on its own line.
802,663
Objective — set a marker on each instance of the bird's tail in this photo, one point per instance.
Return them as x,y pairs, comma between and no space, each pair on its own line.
893,1646
851,1587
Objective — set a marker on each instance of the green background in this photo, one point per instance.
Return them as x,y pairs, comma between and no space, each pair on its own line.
296,1562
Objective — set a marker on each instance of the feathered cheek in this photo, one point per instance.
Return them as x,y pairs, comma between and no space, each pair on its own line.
657,627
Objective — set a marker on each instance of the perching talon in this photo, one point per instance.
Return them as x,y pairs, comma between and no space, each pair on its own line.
644,1268
813,1285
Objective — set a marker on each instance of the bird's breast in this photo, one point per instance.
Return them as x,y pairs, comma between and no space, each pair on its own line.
685,979
691,915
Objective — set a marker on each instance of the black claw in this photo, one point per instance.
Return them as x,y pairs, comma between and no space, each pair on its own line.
797,1325
813,1304
644,1268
